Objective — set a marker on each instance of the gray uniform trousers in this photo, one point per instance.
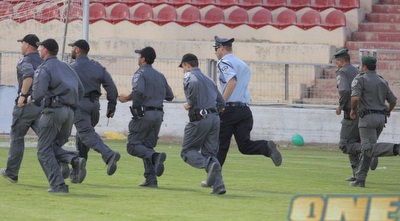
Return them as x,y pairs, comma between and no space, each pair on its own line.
23,119
371,127
350,140
202,136
55,127
143,137
86,118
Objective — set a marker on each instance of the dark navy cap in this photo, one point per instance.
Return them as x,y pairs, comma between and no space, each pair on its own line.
341,52
147,52
82,44
223,41
30,39
50,44
188,57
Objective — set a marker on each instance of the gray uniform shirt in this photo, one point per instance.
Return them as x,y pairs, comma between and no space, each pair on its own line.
344,77
201,92
57,78
373,91
26,68
93,75
150,88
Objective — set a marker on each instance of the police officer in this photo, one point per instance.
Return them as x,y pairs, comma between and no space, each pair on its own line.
349,135
368,96
57,84
92,75
149,90
203,102
24,116
237,119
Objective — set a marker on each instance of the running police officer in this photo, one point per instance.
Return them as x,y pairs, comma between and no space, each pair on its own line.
92,75
349,135
369,93
203,102
237,118
57,84
149,90
24,116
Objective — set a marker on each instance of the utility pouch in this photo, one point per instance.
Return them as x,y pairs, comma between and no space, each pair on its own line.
197,114
346,115
137,112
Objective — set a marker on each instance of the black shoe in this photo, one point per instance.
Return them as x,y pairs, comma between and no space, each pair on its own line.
63,188
11,178
149,184
112,163
357,183
374,163
274,154
79,169
219,191
212,173
159,163
64,168
351,179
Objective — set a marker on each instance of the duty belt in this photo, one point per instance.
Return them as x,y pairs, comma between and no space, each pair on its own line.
153,109
236,104
374,112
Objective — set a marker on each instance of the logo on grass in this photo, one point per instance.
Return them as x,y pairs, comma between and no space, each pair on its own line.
345,208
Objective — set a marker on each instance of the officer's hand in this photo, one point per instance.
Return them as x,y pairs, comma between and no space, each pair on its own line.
110,113
338,111
186,106
353,115
20,102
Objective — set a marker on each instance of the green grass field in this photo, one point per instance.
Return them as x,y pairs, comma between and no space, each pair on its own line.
256,189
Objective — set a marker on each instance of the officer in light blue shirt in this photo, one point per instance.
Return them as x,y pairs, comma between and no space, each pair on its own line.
237,118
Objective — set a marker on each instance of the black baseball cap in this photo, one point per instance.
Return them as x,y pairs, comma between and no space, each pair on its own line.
148,52
82,44
188,57
30,39
50,44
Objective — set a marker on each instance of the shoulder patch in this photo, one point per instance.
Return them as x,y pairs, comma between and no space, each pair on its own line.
338,79
187,74
21,59
136,77
354,82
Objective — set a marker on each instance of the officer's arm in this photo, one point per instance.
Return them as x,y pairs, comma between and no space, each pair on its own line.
112,93
344,90
355,100
26,85
230,87
169,95
40,85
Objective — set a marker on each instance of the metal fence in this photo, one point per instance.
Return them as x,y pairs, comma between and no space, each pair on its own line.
271,82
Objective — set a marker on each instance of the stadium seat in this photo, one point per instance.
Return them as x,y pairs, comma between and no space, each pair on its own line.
249,4
238,16
130,3
225,3
347,5
285,19
334,19
178,3
75,12
154,3
260,18
105,2
212,17
321,5
14,2
296,5
6,10
118,13
38,2
97,12
26,11
274,4
309,19
166,15
142,14
202,3
48,12
189,16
